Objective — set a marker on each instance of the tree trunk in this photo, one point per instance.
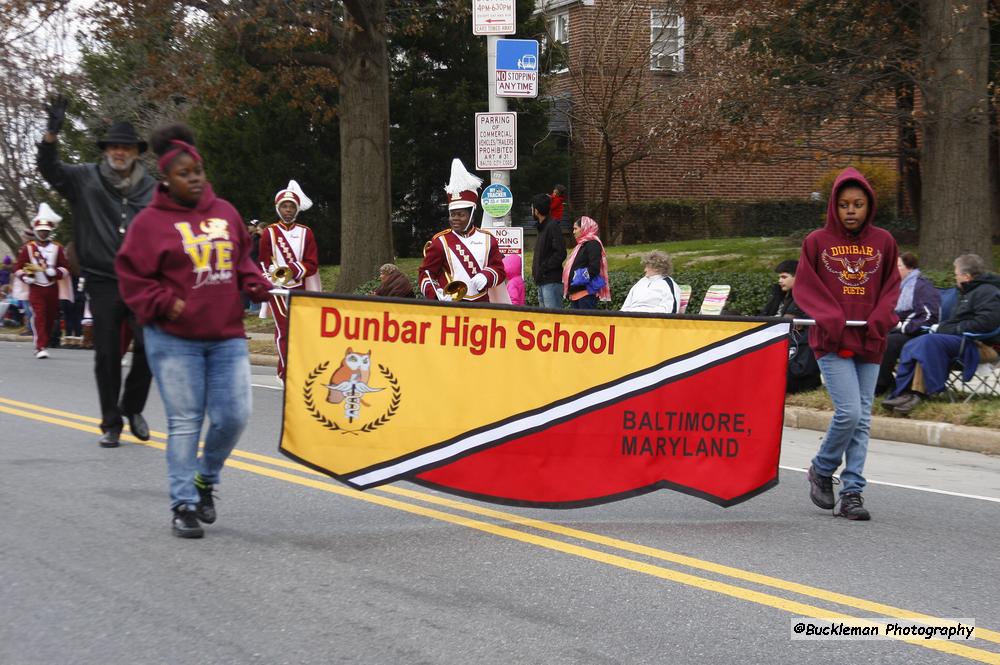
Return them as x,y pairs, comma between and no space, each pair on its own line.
995,171
955,208
366,226
604,214
909,153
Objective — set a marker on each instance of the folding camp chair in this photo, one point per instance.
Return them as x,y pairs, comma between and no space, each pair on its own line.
715,299
685,293
949,298
986,378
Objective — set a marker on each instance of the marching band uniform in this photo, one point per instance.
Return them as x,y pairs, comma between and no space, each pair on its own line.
288,244
471,256
47,281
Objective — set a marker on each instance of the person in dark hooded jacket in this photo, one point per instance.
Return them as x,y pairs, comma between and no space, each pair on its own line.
847,272
394,284
926,361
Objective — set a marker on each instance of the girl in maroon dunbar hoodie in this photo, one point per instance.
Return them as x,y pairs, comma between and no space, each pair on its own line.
182,268
847,272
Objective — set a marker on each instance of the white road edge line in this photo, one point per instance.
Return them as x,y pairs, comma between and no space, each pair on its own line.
911,487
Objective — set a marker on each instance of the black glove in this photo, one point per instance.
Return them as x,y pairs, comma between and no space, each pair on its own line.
56,109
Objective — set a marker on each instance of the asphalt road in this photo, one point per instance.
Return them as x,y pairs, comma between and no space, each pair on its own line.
300,569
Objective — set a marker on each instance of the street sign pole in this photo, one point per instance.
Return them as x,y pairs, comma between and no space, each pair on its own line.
497,105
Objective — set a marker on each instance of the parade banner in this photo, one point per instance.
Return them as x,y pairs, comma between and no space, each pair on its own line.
533,407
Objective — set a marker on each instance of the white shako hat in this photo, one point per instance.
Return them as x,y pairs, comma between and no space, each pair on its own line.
462,187
294,194
46,218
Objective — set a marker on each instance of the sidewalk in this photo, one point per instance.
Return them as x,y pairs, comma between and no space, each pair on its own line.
923,432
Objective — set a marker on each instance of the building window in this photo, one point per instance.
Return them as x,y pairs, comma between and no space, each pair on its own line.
557,27
666,37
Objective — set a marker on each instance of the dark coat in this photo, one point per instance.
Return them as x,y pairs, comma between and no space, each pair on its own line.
550,252
396,285
978,307
100,214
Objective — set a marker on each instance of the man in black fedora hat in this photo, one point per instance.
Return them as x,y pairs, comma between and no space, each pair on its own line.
104,197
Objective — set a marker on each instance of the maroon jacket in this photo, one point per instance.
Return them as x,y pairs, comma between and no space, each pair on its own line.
849,276
199,255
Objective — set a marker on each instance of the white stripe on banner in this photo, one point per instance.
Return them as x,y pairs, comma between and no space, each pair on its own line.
583,403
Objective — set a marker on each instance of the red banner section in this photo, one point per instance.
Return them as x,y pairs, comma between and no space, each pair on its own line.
714,434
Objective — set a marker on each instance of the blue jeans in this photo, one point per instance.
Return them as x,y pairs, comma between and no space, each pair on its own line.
195,378
851,384
589,301
550,296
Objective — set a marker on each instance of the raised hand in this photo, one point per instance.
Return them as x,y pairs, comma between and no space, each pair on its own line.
56,110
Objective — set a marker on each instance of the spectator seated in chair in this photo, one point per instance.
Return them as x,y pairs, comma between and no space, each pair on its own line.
926,361
918,309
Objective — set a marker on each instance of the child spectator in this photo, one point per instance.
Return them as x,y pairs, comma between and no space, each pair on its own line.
515,283
557,201
656,292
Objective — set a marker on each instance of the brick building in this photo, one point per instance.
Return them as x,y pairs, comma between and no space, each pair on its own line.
635,76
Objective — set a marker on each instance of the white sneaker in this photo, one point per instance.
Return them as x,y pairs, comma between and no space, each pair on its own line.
42,354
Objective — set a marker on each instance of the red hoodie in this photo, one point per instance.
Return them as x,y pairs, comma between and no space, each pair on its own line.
849,276
200,255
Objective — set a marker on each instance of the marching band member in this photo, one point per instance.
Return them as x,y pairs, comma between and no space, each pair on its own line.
42,277
463,254
288,247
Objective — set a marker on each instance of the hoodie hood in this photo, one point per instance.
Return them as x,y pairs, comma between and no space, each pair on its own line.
849,176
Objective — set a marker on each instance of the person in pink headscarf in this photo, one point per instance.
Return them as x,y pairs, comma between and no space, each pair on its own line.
585,273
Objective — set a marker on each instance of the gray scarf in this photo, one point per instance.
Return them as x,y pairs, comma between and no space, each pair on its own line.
905,302
121,185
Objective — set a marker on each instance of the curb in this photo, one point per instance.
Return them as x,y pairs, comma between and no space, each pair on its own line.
923,432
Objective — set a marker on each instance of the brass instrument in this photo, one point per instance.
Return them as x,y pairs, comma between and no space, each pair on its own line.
279,275
32,268
456,290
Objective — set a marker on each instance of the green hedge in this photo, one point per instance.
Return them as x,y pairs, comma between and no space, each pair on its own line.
677,219
750,290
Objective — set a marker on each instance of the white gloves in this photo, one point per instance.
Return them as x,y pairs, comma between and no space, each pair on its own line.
51,272
479,282
27,279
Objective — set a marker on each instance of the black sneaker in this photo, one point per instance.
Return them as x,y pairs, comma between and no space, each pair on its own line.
185,523
206,503
820,489
852,507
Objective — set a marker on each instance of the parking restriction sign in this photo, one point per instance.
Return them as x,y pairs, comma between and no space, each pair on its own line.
496,141
493,17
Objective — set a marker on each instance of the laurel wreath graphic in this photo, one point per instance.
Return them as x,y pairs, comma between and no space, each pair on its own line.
393,403
307,395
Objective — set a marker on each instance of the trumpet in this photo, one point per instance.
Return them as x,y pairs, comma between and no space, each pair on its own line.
279,275
32,268
456,290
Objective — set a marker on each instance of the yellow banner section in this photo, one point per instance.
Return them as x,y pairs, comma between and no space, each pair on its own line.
371,381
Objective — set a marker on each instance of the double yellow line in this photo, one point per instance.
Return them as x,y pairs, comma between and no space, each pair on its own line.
613,548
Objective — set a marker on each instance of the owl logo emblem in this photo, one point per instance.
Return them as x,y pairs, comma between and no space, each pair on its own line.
346,389
852,273
349,383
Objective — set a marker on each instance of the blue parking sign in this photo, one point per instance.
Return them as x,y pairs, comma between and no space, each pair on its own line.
519,55
517,68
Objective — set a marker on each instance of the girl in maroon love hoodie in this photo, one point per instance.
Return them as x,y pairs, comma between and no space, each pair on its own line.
847,272
182,268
